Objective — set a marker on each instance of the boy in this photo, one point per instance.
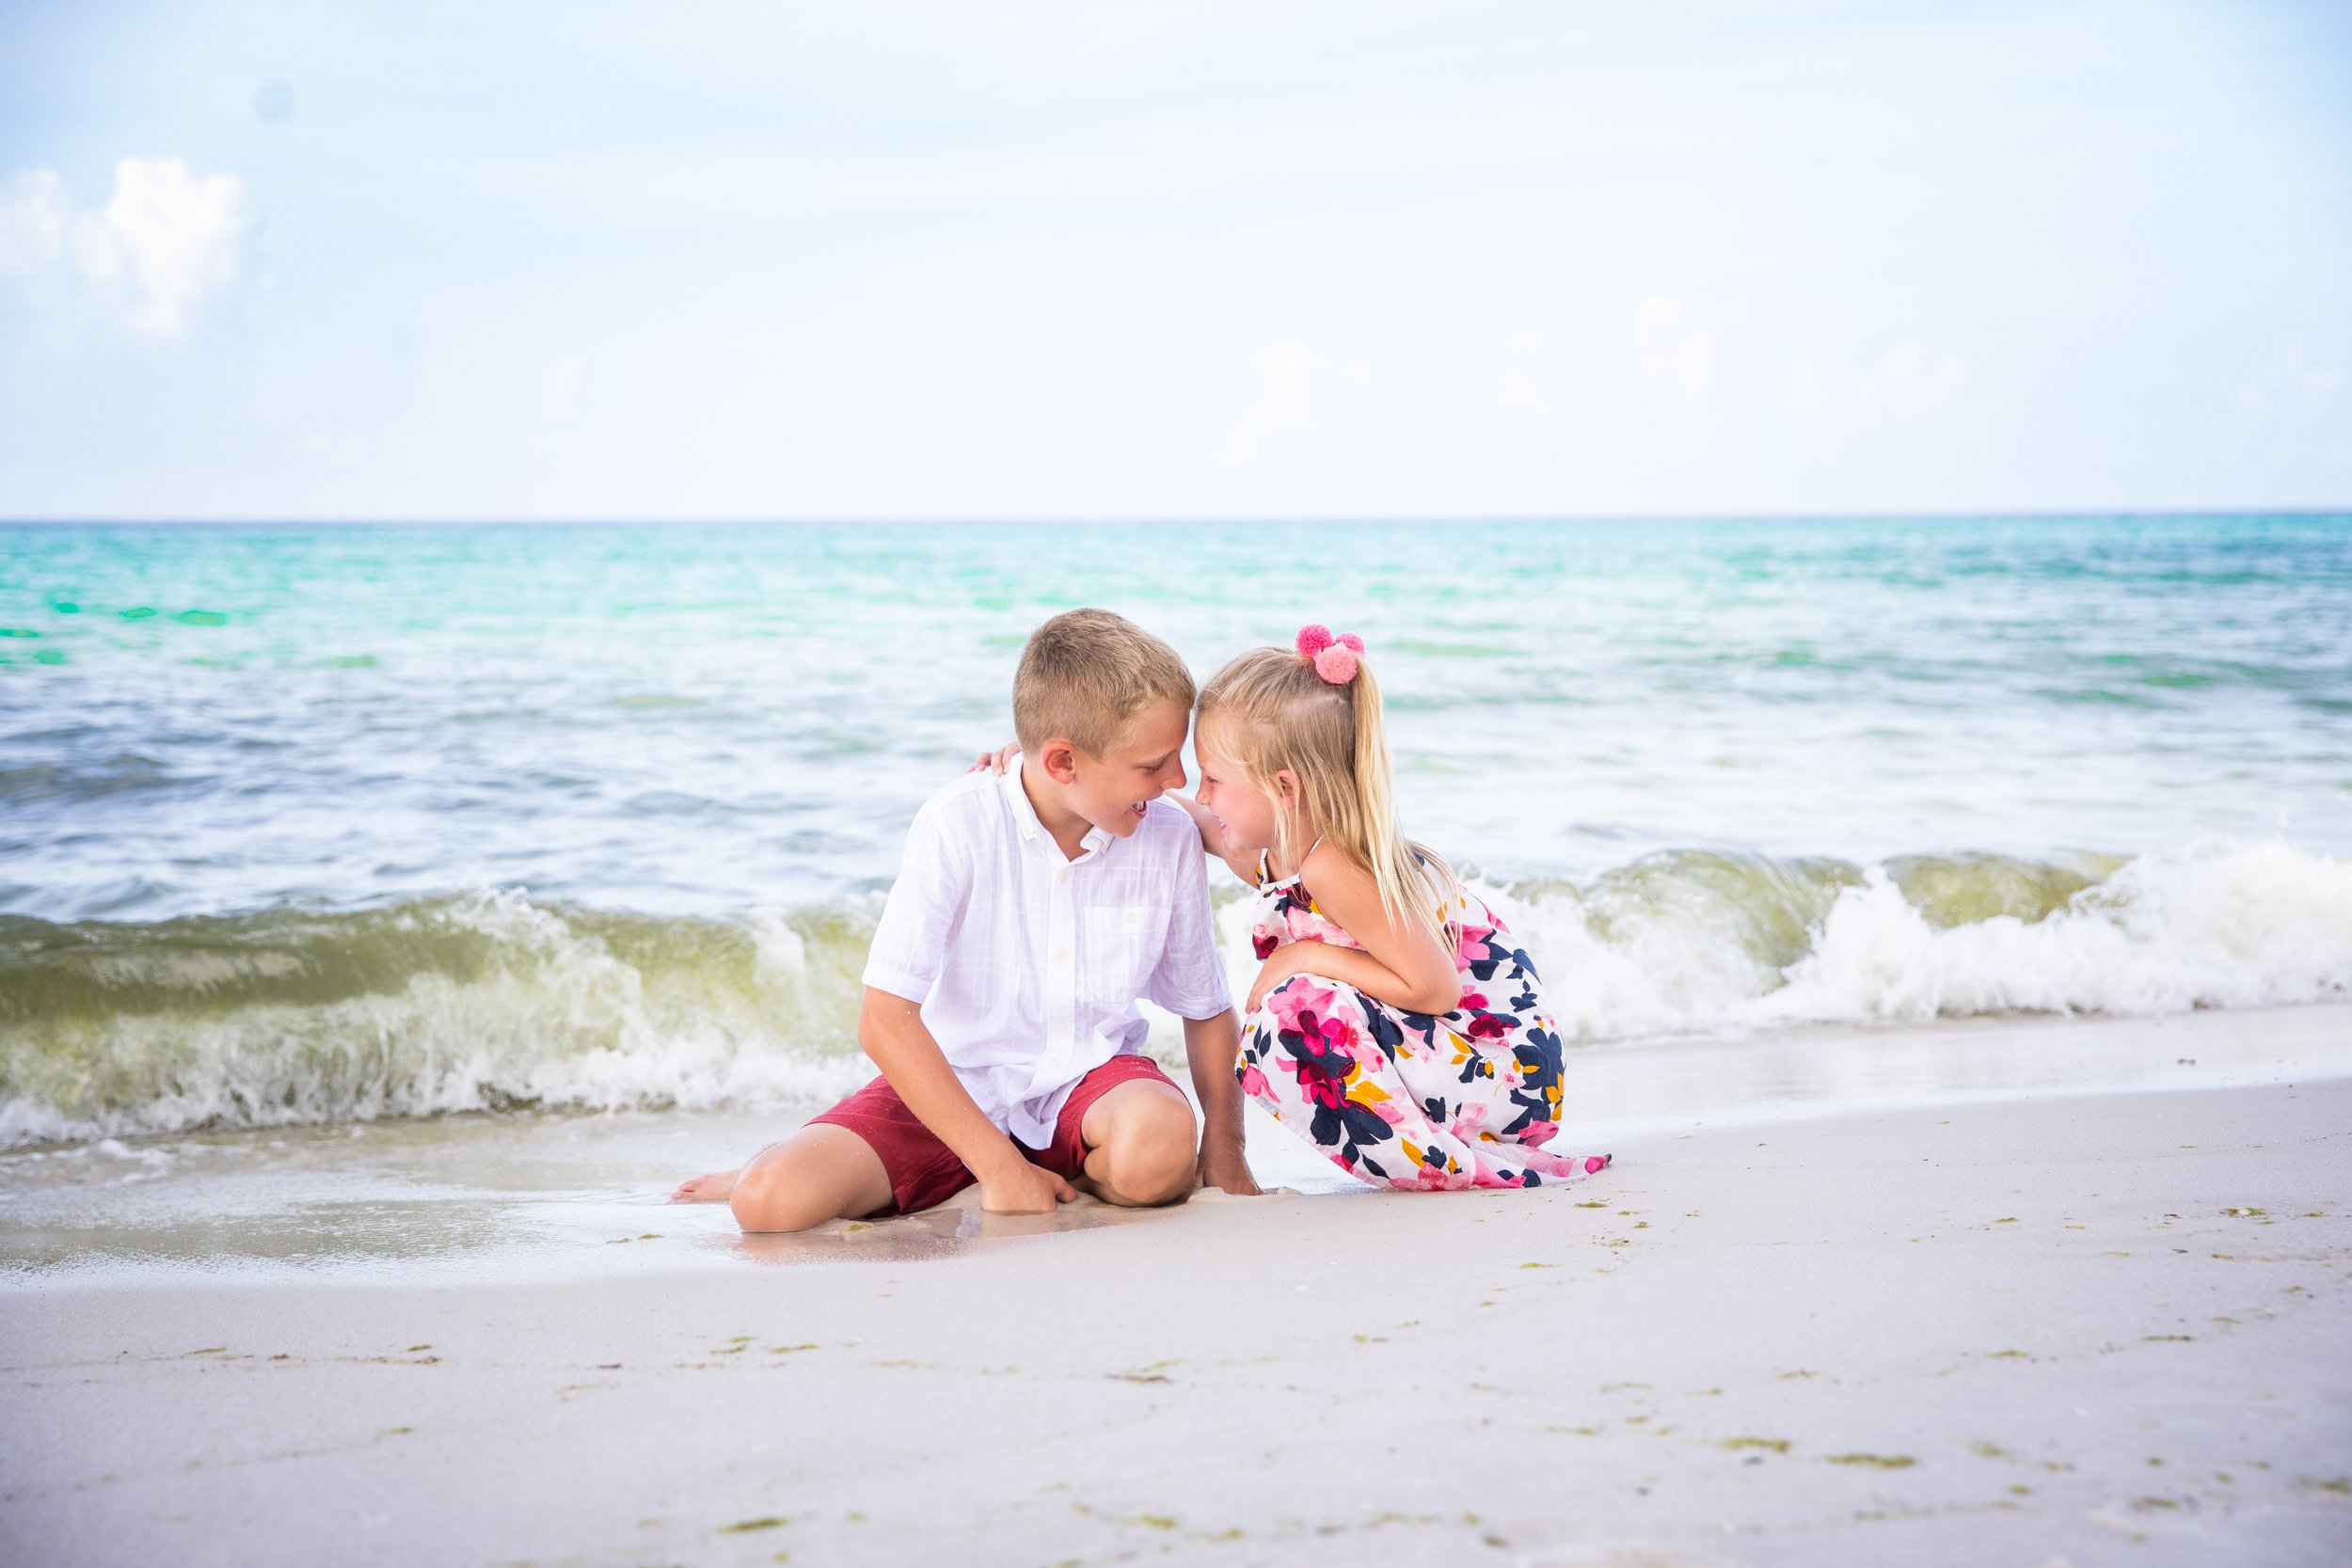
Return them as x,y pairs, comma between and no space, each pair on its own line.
1030,912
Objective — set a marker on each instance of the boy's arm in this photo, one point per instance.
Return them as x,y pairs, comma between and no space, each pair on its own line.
1212,1045
892,1031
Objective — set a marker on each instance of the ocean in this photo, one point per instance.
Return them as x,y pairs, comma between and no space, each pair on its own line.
323,825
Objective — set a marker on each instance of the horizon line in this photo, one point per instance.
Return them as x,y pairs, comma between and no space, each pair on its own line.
2322,513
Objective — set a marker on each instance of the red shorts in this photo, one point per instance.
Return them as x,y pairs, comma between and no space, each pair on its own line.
925,1173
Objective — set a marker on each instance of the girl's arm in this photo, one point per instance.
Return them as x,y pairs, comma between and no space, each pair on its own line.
1213,840
1402,963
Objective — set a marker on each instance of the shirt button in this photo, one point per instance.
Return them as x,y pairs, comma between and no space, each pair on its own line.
1062,956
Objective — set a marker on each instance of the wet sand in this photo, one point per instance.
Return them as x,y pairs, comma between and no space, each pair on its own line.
2082,1327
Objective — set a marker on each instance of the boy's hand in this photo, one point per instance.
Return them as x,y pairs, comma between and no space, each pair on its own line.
1224,1167
1021,1188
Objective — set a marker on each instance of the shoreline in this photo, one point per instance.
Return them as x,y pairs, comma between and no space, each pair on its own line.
474,1200
2090,1327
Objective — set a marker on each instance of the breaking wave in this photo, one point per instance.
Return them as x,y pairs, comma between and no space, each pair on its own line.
480,1002
1687,942
490,1001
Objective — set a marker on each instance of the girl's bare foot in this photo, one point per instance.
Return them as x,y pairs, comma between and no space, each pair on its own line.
713,1188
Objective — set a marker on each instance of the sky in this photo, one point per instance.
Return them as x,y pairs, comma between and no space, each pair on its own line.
700,260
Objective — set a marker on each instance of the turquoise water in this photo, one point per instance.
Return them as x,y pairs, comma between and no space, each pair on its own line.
302,824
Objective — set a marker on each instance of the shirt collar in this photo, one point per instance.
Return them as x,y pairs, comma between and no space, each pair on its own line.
1024,817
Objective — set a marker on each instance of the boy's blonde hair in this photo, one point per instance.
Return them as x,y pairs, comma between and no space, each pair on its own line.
1270,710
1085,675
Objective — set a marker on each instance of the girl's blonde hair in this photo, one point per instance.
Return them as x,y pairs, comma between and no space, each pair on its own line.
1271,709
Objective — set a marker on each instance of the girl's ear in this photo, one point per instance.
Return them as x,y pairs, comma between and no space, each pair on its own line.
1286,789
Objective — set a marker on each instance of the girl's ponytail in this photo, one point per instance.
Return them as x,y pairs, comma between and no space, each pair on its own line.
1413,881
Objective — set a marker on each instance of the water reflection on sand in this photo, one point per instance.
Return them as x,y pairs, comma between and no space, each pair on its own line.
542,1196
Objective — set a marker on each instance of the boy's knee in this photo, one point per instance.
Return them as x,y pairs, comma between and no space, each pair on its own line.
766,1199
1150,1149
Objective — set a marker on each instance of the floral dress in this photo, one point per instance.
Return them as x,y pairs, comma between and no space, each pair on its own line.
1468,1098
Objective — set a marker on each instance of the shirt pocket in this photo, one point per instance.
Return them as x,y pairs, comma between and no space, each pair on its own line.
1123,943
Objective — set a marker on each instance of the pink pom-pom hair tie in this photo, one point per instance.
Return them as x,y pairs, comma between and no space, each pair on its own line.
1334,658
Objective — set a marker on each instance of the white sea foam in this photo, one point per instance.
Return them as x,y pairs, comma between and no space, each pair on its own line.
548,1015
2217,924
490,1001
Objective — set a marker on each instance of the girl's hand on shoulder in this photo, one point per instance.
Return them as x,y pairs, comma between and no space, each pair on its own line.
998,761
1213,838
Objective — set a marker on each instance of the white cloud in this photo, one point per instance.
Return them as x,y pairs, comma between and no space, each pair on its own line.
166,237
1677,360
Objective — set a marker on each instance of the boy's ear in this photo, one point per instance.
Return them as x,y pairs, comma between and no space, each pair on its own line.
1059,759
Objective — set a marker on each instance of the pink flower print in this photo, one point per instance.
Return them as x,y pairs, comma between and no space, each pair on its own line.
1317,1086
1305,1008
1469,945
1334,1033
1298,997
1385,1110
1471,1002
1538,1132
1487,1176
1306,926
1486,1026
1263,942
1253,1084
1468,1123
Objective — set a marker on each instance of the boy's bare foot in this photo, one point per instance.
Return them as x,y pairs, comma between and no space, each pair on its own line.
713,1188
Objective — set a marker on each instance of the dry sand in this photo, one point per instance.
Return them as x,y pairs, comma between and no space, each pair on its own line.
2082,1329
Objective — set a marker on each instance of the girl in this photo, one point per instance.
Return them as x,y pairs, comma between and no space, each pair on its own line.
1393,1024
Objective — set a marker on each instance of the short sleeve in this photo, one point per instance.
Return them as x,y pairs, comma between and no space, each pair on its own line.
1190,979
924,907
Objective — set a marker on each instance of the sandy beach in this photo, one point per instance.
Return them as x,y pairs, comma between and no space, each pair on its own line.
1760,589
2058,1327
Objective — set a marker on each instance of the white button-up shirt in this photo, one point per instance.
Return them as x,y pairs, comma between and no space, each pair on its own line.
1028,965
